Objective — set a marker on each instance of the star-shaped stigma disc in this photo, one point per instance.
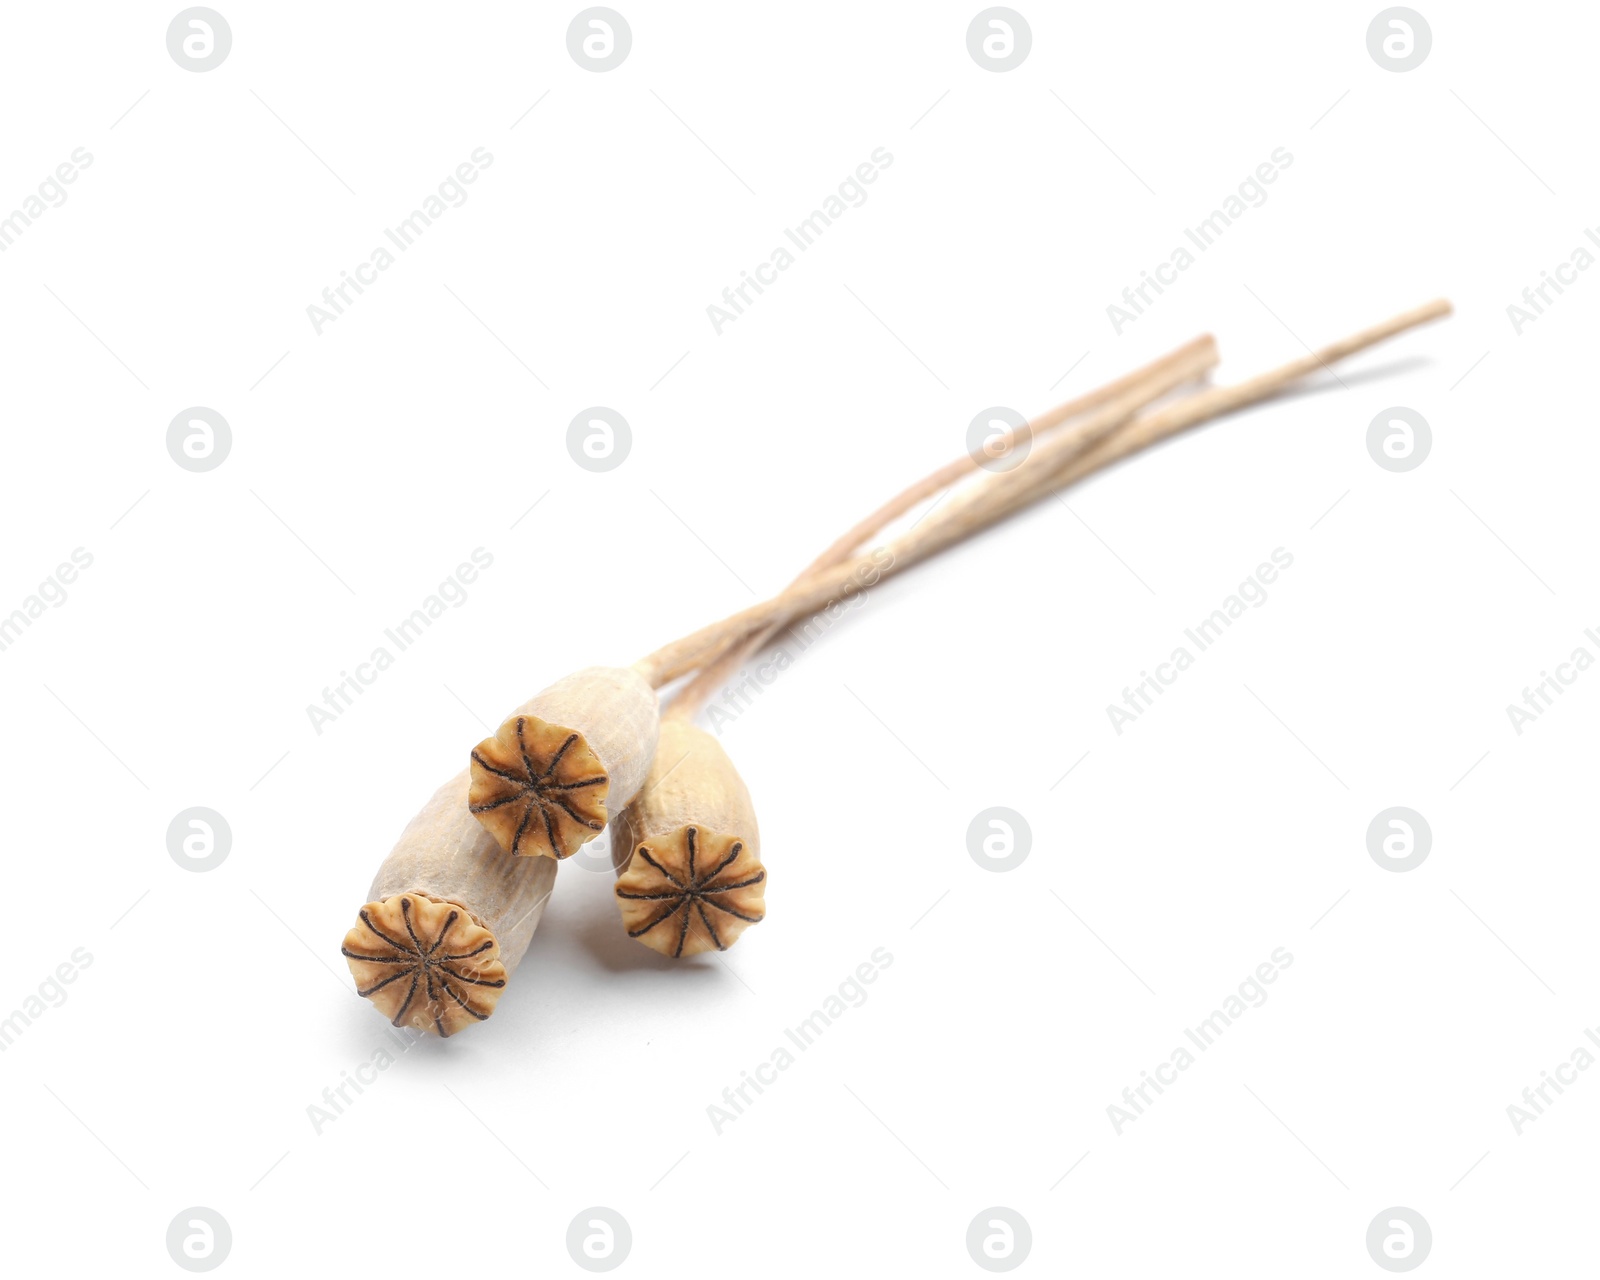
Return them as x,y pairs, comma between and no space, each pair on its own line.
690,891
538,789
426,964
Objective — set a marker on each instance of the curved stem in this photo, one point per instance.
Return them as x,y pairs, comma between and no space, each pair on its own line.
714,674
982,503
930,535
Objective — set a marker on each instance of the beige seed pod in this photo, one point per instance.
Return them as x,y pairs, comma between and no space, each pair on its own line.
450,918
547,779
687,849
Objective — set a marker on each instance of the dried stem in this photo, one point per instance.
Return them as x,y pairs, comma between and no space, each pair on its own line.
1169,420
713,675
1062,459
706,645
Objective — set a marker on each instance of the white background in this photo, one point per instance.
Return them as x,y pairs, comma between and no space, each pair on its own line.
1229,821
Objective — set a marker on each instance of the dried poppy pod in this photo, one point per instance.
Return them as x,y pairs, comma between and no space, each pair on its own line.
450,917
687,850
544,783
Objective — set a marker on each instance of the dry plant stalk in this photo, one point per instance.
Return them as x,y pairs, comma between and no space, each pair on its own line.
1193,358
1101,440
701,647
973,510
